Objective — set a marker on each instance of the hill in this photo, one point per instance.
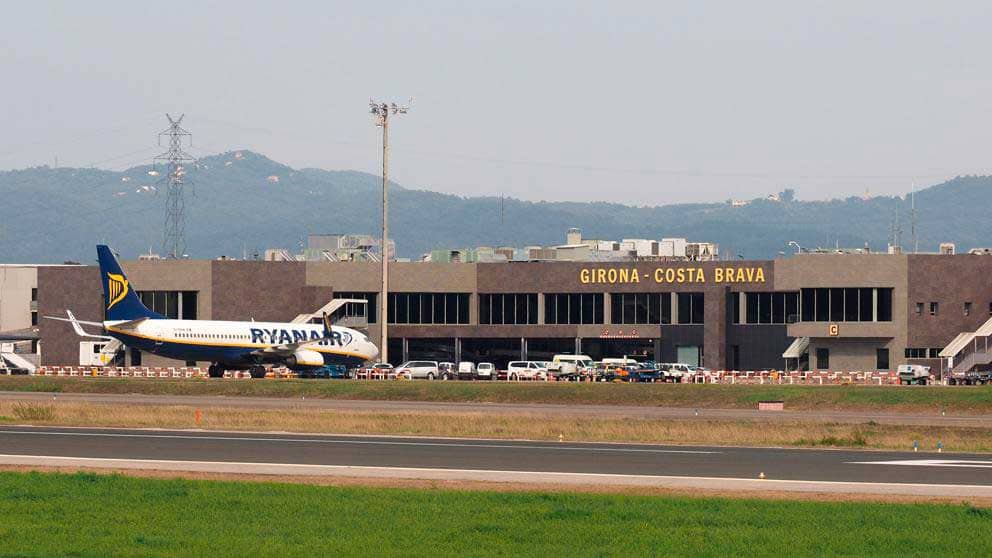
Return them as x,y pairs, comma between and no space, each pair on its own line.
243,201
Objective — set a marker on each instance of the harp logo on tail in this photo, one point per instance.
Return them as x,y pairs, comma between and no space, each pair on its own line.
117,289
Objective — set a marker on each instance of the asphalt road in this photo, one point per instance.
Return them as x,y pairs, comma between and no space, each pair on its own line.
206,401
908,472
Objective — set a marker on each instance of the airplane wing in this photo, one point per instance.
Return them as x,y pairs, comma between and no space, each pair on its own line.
130,324
79,328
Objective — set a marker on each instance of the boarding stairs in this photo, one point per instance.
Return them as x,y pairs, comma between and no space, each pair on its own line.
336,310
970,350
15,361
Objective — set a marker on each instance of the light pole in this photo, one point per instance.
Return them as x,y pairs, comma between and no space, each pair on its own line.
380,112
799,248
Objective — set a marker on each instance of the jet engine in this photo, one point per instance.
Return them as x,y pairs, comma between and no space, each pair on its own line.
305,358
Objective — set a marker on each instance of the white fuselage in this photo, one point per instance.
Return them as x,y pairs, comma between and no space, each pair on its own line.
236,342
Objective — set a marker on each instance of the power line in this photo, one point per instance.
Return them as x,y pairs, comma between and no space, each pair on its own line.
174,240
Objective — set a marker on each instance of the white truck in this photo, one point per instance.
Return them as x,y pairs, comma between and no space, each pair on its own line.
569,367
913,374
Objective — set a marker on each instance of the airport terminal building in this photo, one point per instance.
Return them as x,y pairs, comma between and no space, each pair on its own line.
808,311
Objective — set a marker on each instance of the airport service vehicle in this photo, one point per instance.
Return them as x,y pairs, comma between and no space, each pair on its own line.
970,378
526,370
913,374
579,361
675,372
447,370
466,370
641,373
329,371
419,369
486,371
620,361
226,344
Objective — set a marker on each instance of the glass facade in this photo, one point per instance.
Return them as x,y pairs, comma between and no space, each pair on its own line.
563,308
507,308
690,308
641,308
169,303
849,304
765,307
428,308
358,310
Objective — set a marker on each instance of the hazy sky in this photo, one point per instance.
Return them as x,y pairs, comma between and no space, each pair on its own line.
639,102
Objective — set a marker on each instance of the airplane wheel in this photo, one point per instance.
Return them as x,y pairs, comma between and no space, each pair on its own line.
257,372
215,371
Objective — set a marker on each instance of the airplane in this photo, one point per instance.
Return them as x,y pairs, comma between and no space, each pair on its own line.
226,344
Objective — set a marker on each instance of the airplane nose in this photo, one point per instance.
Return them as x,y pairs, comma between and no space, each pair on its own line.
372,350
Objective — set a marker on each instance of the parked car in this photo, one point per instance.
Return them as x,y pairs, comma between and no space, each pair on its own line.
675,372
486,371
466,370
428,369
526,370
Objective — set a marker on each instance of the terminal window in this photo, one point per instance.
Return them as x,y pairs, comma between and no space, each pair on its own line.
967,308
507,308
573,308
428,308
766,307
848,304
691,306
353,309
641,308
174,305
933,308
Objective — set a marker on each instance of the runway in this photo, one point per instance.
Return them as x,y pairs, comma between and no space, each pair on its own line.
872,472
625,411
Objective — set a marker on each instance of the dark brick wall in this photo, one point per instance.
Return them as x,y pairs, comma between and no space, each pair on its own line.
263,291
60,288
950,281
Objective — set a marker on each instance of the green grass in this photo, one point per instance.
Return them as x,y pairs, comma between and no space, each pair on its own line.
931,399
109,515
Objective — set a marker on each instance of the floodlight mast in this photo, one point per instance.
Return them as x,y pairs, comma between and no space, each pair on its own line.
380,114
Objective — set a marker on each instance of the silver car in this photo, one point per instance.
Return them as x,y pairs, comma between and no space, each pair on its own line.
419,369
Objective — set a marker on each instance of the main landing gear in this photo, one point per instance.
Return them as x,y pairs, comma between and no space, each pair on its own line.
215,371
257,372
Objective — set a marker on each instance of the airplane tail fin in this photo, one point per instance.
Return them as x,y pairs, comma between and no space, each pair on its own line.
119,298
327,325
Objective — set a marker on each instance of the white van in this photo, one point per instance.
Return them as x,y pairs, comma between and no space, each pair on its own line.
579,361
526,370
486,370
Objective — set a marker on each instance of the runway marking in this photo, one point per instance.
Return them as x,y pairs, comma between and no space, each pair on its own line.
975,464
361,442
481,474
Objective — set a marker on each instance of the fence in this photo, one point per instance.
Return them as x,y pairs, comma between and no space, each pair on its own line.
732,377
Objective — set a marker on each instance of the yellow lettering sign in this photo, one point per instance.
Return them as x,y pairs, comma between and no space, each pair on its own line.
673,275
